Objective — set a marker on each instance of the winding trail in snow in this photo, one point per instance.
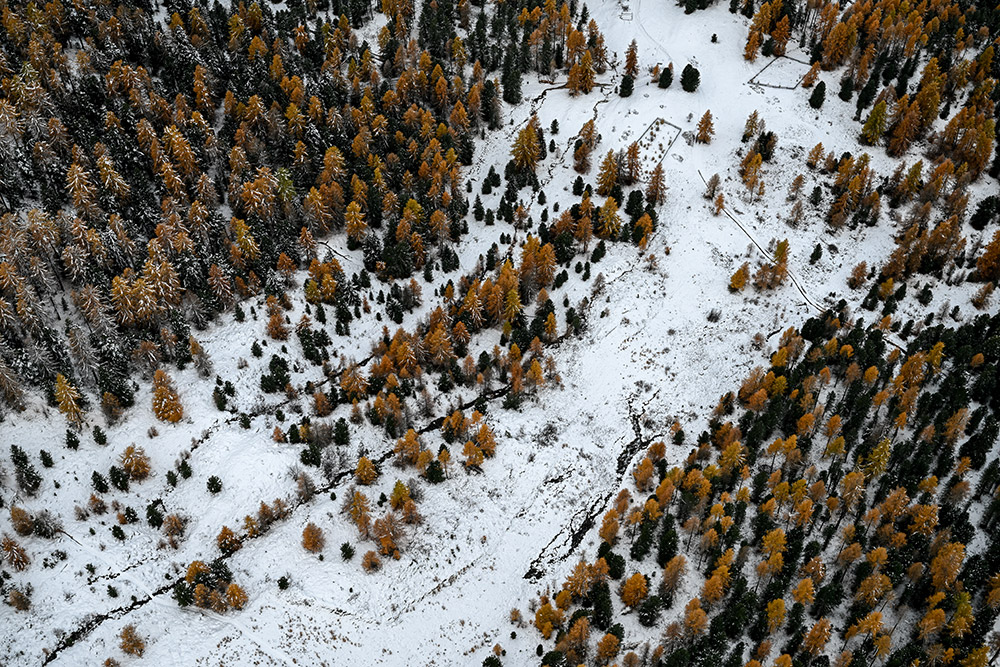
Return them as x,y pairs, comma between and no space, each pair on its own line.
153,596
791,274
637,18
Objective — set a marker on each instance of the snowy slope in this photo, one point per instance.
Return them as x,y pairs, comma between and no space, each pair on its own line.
649,357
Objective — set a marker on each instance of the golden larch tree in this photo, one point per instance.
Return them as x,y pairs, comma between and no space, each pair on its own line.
988,264
656,191
312,538
68,399
607,649
706,129
166,402
635,590
526,149
365,471
236,597
131,642
135,462
607,176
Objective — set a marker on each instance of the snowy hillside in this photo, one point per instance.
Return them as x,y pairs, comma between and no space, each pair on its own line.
365,331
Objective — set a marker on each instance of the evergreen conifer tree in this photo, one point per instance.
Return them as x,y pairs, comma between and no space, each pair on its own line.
666,77
818,95
690,78
625,89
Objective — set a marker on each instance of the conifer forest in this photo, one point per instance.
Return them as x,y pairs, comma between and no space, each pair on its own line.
572,333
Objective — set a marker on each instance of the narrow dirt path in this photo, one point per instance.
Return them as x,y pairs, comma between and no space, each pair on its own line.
791,274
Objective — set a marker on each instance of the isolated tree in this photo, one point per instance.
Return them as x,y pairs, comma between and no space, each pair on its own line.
818,95
400,494
312,538
18,600
673,573
387,531
690,78
632,60
739,279
706,130
711,186
815,155
276,328
131,642
858,275
371,562
359,510
14,554
751,172
626,87
135,462
810,78
754,125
